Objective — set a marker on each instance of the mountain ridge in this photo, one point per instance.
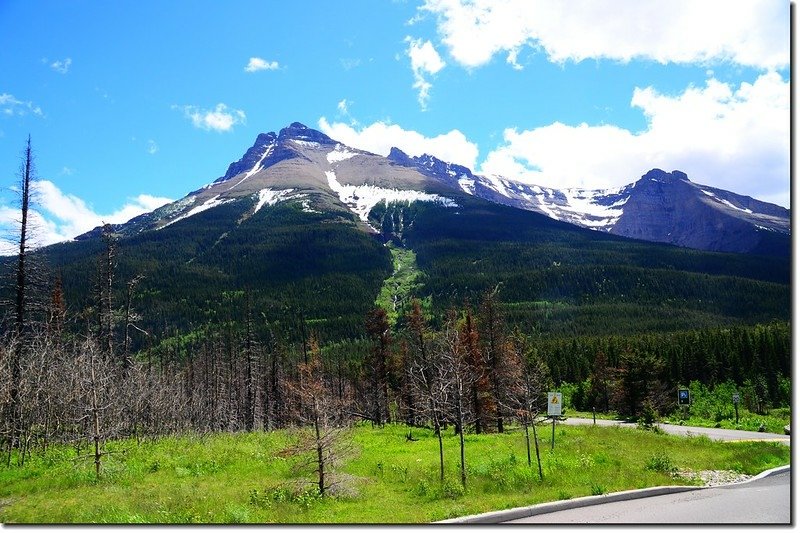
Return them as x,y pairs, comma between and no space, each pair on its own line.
303,164
653,208
306,234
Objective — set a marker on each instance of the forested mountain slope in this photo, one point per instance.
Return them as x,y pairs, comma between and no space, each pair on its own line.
295,230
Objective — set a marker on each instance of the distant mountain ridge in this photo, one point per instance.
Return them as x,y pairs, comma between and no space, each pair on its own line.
660,207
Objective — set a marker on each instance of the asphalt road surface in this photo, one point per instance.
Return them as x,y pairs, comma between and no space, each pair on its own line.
712,433
764,501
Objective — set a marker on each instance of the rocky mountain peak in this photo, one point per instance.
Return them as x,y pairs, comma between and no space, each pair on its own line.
661,176
400,157
300,132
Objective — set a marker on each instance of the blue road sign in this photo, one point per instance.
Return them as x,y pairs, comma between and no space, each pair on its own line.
683,397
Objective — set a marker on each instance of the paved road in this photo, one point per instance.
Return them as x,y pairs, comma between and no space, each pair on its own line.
764,501
712,433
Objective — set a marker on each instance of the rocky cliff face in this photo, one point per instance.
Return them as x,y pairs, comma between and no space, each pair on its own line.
668,207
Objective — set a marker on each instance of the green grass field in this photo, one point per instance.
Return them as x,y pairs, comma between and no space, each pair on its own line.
250,478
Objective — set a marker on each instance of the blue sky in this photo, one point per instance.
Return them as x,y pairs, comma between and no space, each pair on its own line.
132,103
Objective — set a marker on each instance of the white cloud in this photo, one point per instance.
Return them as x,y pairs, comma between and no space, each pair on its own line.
720,135
217,119
10,106
349,63
424,60
342,106
62,67
747,32
152,147
380,137
256,63
58,216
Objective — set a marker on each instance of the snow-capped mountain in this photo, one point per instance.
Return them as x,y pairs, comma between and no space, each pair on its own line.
660,207
305,167
299,224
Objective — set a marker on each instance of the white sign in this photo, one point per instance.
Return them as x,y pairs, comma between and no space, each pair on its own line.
553,404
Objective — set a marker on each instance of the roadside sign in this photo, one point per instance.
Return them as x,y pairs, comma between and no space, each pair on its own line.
735,397
553,404
683,397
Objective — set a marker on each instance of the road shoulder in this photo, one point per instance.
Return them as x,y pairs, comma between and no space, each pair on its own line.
494,517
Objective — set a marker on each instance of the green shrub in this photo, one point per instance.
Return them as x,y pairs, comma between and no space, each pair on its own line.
661,462
452,489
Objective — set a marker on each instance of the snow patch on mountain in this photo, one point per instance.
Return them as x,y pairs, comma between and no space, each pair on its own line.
273,196
205,206
339,153
594,209
306,207
498,184
362,198
176,207
257,166
467,185
306,144
764,228
726,202
583,204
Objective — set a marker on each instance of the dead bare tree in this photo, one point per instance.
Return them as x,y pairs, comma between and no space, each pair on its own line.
250,347
21,319
95,404
480,399
526,380
104,292
130,320
454,346
316,405
430,377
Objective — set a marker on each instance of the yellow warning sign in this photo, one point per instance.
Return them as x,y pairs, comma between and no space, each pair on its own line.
553,404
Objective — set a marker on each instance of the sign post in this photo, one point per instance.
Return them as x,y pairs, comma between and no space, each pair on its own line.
736,405
684,399
553,411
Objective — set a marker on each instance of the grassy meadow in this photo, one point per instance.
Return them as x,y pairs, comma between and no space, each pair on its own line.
385,478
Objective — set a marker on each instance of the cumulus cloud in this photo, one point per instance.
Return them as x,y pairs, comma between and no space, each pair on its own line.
217,119
62,67
380,137
735,138
747,32
152,147
256,63
11,106
425,60
58,216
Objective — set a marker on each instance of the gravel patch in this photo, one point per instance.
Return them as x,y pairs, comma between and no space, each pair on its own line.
713,478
